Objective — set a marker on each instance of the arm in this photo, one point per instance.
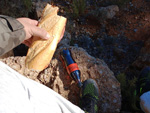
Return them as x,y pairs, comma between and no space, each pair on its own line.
15,31
11,33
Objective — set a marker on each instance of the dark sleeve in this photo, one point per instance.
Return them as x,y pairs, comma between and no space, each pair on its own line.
11,33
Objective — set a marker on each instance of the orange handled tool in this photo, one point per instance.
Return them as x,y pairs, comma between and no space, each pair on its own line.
71,66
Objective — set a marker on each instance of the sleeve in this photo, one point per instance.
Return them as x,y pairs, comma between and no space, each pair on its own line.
11,33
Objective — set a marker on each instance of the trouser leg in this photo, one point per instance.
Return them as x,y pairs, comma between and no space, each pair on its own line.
22,95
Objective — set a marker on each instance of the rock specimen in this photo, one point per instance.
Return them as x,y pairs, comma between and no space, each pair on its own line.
56,77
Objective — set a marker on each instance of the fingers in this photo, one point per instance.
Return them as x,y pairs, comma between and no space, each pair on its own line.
33,22
39,32
62,34
31,29
24,21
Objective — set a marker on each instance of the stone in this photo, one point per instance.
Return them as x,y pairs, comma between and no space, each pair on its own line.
103,13
110,11
55,76
135,30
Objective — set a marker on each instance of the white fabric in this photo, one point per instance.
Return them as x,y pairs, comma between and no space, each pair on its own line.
145,102
19,94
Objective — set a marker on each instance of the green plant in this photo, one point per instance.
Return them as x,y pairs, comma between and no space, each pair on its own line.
78,7
128,88
28,4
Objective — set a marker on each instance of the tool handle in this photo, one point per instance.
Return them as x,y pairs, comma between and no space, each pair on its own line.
67,57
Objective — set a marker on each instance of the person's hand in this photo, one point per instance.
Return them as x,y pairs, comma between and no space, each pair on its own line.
31,29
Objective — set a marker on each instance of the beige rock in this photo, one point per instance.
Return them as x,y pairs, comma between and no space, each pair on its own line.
56,77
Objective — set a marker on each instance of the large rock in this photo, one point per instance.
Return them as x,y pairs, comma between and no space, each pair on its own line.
56,77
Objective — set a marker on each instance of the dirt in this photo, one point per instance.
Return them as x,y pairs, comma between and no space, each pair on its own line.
134,21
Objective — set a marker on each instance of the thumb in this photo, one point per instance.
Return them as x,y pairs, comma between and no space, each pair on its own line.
39,32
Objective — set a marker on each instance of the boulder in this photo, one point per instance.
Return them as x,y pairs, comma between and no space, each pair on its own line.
56,77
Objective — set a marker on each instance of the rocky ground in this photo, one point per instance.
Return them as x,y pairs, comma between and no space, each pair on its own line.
56,77
116,34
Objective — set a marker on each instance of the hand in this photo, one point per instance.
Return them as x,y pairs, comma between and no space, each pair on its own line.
62,34
31,29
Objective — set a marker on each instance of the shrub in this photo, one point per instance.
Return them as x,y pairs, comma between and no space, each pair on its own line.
128,91
78,7
28,4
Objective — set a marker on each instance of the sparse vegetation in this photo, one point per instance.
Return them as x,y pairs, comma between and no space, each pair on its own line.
128,91
78,7
28,4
